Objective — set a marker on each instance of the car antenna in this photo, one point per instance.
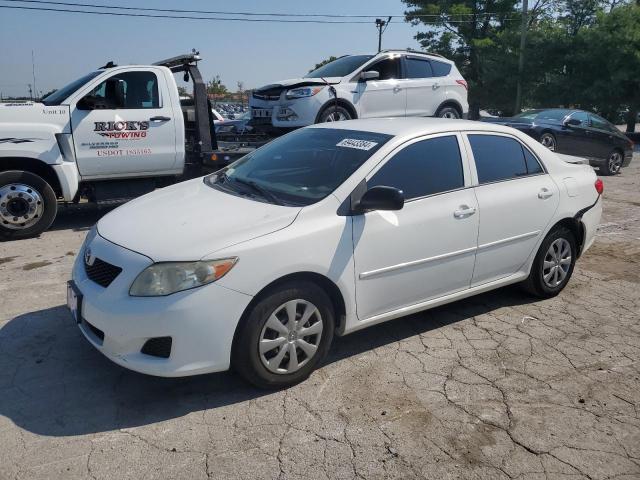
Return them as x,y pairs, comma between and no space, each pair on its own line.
332,91
109,64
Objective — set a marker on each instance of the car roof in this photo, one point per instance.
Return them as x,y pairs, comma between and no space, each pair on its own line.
413,126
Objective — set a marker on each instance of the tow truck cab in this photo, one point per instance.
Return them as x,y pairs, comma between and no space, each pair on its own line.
113,134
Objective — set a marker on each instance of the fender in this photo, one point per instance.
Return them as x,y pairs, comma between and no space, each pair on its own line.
343,102
453,103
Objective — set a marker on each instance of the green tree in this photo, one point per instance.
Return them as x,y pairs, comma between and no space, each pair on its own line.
324,62
465,31
216,87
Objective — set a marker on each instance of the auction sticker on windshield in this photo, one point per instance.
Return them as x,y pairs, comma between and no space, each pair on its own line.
355,143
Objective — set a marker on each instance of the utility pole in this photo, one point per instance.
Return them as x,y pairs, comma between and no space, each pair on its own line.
523,43
380,26
30,91
33,71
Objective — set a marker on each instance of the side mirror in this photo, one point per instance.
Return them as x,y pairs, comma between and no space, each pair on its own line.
380,198
572,122
87,103
370,75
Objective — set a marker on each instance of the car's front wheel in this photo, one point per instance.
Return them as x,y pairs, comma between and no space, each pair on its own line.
28,205
334,113
553,264
613,163
284,336
548,140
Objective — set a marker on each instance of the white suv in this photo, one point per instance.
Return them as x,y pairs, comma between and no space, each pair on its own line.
393,83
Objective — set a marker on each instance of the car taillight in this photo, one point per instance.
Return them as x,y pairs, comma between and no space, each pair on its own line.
599,186
463,83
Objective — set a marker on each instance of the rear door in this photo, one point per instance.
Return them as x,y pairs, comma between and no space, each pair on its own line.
423,97
386,96
426,249
125,126
600,137
516,199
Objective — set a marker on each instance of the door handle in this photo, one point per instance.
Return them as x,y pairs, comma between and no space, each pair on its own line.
464,211
159,118
545,193
436,86
396,89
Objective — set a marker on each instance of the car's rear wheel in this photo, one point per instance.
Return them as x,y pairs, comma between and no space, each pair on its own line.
613,163
334,113
28,205
553,265
285,336
448,112
548,140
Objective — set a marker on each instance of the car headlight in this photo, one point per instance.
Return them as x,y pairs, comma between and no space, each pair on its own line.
165,278
89,238
302,92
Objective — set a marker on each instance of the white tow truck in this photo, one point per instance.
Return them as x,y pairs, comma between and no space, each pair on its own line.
114,134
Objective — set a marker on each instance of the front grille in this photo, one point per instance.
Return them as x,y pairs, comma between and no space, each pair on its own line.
157,347
101,272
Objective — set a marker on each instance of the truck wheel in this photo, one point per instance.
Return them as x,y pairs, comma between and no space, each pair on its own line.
27,205
334,114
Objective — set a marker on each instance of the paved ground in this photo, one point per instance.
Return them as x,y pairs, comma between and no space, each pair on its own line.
493,387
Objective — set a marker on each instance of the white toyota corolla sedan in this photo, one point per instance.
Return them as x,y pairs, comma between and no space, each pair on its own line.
322,232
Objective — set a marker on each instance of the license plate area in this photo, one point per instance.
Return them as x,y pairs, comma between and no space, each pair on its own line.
261,112
74,301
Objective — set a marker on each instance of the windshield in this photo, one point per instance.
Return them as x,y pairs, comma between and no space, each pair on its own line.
300,168
59,96
529,115
341,67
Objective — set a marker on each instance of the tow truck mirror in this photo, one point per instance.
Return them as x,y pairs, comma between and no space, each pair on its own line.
87,103
370,75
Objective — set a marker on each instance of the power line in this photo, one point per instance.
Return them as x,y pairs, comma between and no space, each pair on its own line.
220,19
255,14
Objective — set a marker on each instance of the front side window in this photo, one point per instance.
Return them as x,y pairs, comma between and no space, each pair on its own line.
423,168
582,117
128,90
501,158
300,168
388,68
417,68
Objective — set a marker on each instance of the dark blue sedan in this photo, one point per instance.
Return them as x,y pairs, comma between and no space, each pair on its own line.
578,133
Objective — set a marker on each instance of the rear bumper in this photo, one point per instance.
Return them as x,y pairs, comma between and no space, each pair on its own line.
590,220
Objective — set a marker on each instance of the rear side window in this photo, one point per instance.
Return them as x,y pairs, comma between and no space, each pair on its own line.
417,68
440,69
423,168
501,158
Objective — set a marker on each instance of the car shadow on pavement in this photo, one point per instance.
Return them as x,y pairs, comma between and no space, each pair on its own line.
54,383
80,216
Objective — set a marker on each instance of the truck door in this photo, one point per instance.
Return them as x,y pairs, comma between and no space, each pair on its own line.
126,126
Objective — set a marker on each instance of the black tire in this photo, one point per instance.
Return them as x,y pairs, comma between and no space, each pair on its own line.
535,283
548,140
41,220
448,112
245,356
613,164
331,112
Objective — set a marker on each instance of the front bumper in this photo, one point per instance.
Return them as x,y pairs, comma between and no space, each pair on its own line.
201,322
299,112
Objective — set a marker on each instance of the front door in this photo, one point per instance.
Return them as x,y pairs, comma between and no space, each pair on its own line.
574,139
125,126
517,200
385,96
426,249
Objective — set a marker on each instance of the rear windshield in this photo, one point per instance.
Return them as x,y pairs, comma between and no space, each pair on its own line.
341,67
300,168
60,95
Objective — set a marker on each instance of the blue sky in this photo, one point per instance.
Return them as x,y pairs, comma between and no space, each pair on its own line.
67,45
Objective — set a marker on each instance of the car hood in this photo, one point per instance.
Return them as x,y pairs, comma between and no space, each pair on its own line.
189,221
17,116
274,90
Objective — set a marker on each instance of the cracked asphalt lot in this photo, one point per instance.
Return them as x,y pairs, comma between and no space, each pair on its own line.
497,386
